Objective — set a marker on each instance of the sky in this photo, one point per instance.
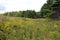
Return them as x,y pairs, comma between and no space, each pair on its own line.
20,5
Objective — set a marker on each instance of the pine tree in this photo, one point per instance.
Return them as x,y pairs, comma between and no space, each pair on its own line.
46,9
56,9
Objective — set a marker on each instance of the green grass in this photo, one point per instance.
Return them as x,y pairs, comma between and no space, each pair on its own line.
15,28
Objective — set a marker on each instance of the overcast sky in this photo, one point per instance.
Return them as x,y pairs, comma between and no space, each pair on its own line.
16,5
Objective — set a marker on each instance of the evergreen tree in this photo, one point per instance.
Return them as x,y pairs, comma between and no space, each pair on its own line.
56,9
46,9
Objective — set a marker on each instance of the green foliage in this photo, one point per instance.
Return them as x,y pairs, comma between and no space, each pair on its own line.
45,13
46,9
56,9
27,14
51,8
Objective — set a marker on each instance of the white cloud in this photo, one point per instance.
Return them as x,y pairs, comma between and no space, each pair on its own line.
16,5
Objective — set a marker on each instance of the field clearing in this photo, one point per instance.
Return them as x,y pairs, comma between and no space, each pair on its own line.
16,28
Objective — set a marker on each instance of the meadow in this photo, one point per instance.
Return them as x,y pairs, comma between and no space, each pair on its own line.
17,28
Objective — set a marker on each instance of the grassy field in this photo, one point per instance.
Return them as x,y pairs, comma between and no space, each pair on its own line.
15,28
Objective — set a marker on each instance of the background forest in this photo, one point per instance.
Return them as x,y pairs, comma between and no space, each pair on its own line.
46,11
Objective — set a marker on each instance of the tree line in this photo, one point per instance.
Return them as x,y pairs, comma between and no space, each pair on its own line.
47,10
27,14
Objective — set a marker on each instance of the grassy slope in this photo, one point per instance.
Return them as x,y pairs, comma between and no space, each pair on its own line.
16,28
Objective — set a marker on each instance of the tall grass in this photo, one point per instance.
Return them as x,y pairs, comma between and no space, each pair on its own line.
29,29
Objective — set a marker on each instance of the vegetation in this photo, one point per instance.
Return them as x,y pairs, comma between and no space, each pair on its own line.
20,26
26,14
29,29
56,9
49,10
